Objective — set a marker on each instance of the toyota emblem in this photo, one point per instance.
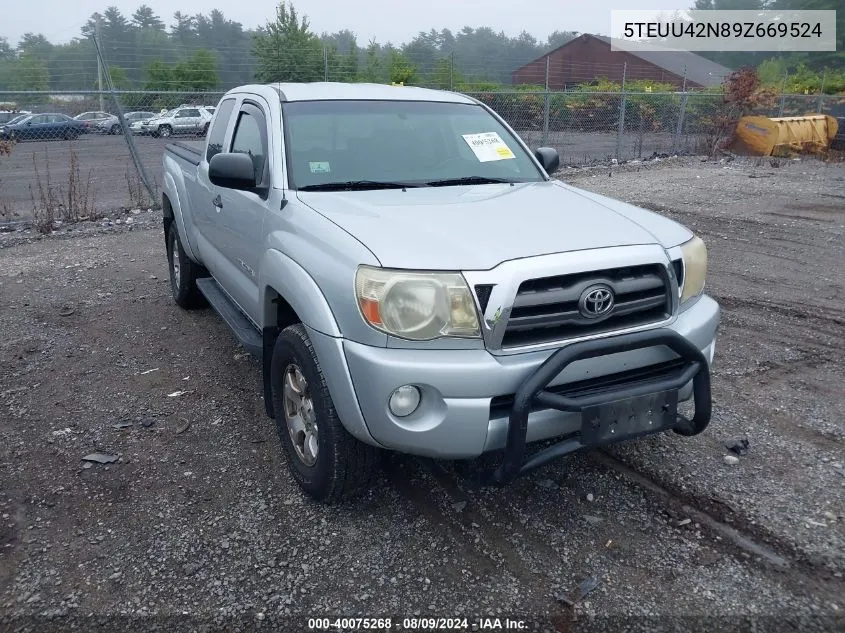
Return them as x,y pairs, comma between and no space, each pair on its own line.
596,301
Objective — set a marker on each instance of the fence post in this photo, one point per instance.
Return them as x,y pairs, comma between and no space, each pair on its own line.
546,107
821,92
621,128
452,70
783,95
680,128
325,63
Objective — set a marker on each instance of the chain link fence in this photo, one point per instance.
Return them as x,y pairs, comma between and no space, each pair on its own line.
71,159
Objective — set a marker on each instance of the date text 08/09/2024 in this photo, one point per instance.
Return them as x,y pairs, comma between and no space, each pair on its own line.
415,624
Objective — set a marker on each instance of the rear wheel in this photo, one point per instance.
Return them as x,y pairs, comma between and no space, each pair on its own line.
165,131
183,273
325,460
204,130
115,129
71,135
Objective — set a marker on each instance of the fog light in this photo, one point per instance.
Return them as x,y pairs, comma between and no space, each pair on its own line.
404,401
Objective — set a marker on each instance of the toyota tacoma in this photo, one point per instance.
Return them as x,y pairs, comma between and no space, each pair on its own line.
413,279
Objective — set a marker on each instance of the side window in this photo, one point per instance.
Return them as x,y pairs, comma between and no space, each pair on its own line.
218,129
250,138
180,114
190,113
38,119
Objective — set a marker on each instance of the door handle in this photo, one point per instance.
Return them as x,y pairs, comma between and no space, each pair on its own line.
217,202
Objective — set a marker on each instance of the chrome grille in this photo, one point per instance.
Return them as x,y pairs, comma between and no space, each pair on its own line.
546,309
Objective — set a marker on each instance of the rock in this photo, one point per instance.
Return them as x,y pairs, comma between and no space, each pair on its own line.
459,506
100,458
731,460
590,497
592,520
738,446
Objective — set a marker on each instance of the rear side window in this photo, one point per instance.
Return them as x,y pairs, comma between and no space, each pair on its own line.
218,130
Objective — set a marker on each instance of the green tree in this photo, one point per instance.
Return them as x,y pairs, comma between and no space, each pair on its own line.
196,74
373,71
6,51
145,18
183,29
30,73
119,79
287,50
401,69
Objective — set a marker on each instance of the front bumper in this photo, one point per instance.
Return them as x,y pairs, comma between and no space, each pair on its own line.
468,395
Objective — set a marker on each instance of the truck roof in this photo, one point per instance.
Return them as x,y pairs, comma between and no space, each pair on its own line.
330,90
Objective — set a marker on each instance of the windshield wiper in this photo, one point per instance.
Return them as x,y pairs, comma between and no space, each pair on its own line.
469,180
358,185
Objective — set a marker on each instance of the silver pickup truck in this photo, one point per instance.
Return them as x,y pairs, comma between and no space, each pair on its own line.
413,279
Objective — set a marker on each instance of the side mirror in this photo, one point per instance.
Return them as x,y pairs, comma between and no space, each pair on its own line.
232,171
548,158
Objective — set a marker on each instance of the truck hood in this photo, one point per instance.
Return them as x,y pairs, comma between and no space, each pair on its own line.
479,227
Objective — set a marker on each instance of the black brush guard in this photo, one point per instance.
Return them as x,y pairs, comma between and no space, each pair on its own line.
663,392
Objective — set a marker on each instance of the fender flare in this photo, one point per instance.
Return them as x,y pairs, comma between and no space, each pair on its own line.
281,274
172,193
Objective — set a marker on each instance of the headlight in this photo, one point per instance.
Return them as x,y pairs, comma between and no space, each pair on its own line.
695,268
416,305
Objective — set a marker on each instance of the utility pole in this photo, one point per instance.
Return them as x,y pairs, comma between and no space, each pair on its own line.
99,64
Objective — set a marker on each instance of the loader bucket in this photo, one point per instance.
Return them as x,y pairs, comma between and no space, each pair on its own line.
764,136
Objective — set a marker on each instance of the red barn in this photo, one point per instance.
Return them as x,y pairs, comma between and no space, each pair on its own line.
590,57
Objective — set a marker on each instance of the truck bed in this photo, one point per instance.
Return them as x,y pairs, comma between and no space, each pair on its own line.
190,151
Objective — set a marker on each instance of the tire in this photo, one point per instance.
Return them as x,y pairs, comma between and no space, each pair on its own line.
165,131
342,467
115,129
183,273
204,130
71,135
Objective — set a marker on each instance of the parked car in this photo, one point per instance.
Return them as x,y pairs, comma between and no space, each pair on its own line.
91,120
182,120
112,124
412,278
42,127
6,116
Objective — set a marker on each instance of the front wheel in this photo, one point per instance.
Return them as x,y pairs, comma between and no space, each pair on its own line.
325,460
115,129
164,131
204,130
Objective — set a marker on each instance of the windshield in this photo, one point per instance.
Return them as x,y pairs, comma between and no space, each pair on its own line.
413,142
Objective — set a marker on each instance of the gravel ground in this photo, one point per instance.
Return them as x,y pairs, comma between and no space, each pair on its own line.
197,526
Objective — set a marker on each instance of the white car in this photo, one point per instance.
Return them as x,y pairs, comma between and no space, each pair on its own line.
182,120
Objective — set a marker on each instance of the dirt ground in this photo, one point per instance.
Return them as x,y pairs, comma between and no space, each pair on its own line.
198,526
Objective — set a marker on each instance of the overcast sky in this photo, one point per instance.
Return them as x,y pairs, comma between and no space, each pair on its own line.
396,21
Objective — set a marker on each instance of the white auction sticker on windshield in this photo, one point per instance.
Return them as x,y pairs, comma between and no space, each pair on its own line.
488,146
319,167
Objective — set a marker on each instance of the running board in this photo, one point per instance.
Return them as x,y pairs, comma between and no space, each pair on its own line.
245,332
